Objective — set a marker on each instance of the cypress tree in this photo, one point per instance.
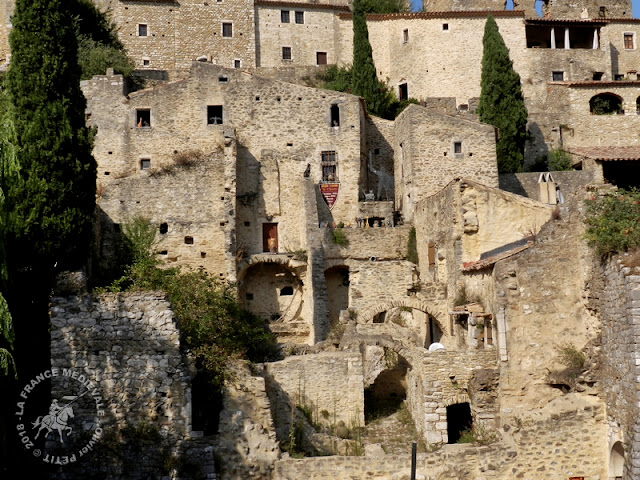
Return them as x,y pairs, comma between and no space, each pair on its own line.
50,199
501,102
364,81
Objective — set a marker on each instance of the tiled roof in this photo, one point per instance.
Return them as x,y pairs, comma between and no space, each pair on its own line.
559,21
316,6
600,83
427,15
487,262
607,154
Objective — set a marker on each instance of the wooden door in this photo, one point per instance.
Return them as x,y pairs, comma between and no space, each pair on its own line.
270,235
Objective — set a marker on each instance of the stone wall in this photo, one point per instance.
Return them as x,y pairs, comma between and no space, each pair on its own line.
526,184
331,381
587,9
380,144
318,33
619,302
432,149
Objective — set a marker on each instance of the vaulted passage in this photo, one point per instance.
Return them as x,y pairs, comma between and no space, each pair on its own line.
458,420
385,396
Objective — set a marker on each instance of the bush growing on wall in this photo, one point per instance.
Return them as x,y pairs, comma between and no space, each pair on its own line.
612,222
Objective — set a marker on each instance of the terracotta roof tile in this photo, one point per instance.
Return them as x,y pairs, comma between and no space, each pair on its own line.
426,15
607,154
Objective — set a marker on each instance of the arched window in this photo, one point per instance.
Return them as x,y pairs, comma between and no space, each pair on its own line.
616,461
605,104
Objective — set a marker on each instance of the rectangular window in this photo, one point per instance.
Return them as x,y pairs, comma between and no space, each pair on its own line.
145,163
286,53
457,147
329,167
405,35
597,75
557,76
628,41
335,115
300,17
143,118
214,114
227,30
445,27
145,62
284,16
431,254
142,30
321,58
236,64
403,92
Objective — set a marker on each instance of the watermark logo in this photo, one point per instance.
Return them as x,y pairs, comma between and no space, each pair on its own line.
71,428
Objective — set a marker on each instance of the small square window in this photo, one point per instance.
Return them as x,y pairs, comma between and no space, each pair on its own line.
457,147
300,17
188,240
145,62
214,115
597,75
321,58
618,77
286,53
284,16
143,118
142,30
405,35
227,30
236,64
557,76
145,163
628,41
445,27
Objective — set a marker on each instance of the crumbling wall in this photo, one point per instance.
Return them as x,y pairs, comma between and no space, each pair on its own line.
620,360
526,184
571,9
329,381
379,169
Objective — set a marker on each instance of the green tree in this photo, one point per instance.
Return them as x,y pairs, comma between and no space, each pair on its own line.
501,102
50,200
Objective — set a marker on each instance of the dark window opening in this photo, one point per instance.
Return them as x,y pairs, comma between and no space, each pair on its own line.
214,114
247,224
376,151
286,291
321,58
236,64
329,167
385,395
335,116
597,75
142,30
457,147
622,173
405,35
145,164
300,17
203,254
603,12
164,252
557,76
286,53
143,118
605,104
188,240
434,333
145,62
227,30
445,26
249,296
547,36
618,77
223,79
380,317
206,405
284,16
459,421
403,92
164,228
463,107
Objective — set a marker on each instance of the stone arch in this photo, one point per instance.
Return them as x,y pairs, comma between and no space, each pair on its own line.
367,315
616,461
606,103
299,268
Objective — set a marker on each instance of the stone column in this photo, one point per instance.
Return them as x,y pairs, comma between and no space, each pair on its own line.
567,44
553,38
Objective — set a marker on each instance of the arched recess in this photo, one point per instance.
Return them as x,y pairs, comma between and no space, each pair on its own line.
606,104
399,312
388,391
616,461
337,280
272,291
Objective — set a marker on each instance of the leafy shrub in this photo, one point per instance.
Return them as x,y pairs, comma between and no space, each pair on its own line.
571,357
338,237
559,161
612,222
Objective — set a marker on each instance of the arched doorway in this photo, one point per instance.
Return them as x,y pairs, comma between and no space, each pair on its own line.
459,420
606,104
616,462
385,395
337,279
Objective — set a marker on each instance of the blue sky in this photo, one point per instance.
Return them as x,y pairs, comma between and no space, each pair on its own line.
636,8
